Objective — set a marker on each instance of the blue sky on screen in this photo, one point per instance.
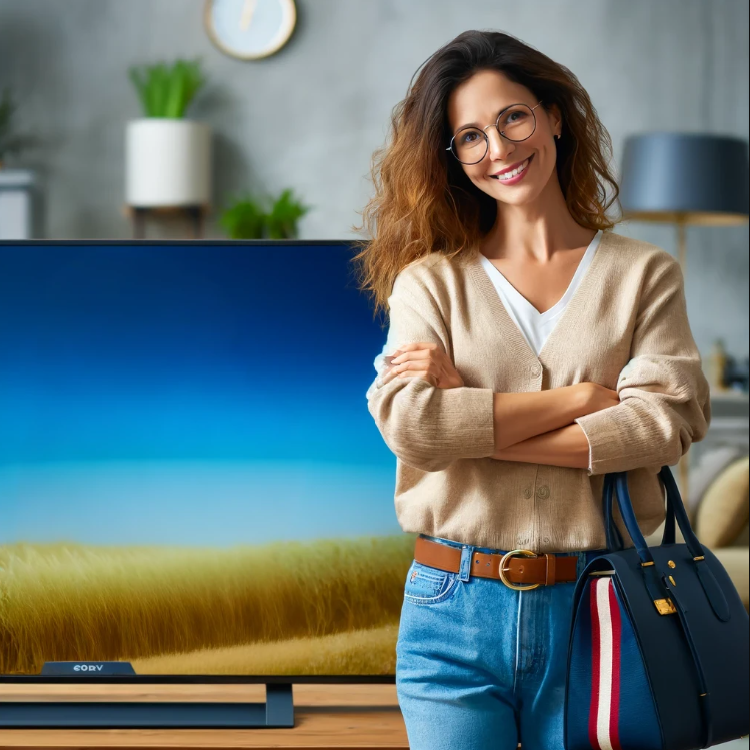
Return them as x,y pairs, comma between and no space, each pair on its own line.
188,394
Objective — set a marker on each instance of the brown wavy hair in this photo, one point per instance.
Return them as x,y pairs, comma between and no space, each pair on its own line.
424,202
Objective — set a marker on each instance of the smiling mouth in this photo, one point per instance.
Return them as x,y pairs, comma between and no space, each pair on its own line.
505,174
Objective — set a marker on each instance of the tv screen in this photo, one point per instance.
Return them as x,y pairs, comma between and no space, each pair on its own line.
190,480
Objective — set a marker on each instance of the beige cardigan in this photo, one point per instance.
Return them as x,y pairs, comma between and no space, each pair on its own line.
626,327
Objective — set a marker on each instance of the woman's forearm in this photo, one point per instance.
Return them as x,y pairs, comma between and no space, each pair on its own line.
567,446
520,416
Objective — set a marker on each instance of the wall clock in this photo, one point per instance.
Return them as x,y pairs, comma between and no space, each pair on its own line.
250,29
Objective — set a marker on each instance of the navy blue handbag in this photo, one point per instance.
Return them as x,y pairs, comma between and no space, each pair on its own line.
658,653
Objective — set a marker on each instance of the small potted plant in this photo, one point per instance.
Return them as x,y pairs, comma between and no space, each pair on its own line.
168,158
250,218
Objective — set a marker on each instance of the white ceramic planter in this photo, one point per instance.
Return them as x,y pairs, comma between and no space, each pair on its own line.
167,162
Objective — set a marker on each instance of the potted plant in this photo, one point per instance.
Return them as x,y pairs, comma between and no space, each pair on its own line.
168,158
250,218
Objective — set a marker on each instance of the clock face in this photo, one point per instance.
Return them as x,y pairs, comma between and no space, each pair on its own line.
250,29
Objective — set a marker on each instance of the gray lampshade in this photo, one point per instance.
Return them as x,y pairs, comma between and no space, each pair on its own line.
682,177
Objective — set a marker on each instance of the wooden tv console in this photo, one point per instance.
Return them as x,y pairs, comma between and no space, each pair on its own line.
326,716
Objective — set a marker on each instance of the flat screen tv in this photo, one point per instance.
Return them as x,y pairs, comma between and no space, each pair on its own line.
191,486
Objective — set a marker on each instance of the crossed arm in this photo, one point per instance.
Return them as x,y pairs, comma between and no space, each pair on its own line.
663,399
533,427
565,446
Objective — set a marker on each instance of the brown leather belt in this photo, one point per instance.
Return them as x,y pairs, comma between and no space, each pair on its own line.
536,570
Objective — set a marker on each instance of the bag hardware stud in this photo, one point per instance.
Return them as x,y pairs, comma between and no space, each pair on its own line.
665,606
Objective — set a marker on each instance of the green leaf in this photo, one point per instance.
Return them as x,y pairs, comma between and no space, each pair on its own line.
244,219
283,217
166,91
175,97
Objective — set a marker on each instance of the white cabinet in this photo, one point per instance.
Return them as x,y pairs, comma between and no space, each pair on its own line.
16,204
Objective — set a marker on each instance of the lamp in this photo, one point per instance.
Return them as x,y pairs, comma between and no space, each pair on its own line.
685,178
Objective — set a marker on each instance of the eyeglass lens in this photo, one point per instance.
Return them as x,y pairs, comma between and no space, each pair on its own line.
517,123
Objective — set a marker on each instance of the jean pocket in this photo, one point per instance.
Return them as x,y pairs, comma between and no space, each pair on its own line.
426,585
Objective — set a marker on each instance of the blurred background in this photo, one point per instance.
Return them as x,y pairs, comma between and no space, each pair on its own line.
259,118
309,116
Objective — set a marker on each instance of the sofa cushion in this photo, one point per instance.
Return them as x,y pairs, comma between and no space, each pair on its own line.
703,472
723,511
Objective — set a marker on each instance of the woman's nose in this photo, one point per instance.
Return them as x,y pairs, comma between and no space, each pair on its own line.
498,146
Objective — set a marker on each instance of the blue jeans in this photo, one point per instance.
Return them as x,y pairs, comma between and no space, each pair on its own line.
480,666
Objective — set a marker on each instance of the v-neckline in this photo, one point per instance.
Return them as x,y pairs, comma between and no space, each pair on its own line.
553,311
486,287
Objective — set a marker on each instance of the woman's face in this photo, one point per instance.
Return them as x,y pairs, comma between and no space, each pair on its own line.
479,100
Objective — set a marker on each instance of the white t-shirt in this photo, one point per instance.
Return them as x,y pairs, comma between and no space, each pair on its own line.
536,326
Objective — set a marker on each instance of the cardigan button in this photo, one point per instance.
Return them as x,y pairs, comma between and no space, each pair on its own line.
543,492
536,370
527,493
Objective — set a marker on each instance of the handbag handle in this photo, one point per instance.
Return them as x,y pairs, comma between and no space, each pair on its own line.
614,538
675,512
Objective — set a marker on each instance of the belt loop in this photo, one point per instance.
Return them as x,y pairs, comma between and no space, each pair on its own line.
467,554
551,566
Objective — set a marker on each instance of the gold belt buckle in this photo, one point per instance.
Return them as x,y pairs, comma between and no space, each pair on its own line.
503,569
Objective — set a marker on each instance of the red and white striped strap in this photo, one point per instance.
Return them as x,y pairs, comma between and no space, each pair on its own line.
606,630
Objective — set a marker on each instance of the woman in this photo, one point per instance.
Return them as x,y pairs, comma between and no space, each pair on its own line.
530,351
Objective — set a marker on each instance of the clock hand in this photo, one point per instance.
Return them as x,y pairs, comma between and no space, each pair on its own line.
247,13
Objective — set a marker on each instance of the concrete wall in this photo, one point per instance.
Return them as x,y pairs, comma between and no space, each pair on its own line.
671,65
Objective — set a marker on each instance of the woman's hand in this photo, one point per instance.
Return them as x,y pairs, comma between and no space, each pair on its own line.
595,397
424,360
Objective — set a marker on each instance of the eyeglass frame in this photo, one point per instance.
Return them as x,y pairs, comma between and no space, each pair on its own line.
486,137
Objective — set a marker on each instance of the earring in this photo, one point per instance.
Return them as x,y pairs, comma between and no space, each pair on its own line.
558,136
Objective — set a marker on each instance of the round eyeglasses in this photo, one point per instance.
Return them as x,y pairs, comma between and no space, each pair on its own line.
516,123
